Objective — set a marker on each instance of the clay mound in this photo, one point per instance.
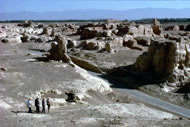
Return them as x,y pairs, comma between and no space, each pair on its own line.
167,59
26,23
58,50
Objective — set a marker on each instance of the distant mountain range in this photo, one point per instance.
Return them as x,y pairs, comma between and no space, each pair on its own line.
99,14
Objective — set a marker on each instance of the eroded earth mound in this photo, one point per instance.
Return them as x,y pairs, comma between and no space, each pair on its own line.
168,59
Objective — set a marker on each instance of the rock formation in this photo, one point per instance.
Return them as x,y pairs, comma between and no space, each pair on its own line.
52,33
173,28
71,97
187,28
58,50
110,26
156,27
25,37
168,59
71,43
115,42
128,41
91,32
91,45
12,39
45,31
86,64
108,48
122,30
135,30
181,27
26,24
156,22
143,40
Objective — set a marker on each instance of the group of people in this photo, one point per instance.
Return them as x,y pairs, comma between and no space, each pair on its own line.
37,105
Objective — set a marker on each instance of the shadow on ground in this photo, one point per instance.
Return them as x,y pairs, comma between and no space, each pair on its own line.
16,112
185,89
126,77
33,112
43,59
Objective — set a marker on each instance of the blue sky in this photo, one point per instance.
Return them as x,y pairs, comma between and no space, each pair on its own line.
61,5
93,9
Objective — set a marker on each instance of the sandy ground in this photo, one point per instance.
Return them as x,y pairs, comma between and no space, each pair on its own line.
99,105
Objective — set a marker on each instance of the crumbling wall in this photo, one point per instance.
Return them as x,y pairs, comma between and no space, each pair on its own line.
167,58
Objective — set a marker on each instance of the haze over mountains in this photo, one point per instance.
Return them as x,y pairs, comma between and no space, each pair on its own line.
98,14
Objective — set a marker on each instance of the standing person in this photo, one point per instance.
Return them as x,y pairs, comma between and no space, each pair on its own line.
29,105
37,104
48,104
43,105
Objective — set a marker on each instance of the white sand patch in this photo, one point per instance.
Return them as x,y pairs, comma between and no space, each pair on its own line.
37,116
21,94
61,66
2,75
2,89
7,66
33,53
79,86
19,83
88,120
14,103
89,82
18,74
133,110
4,105
2,34
19,105
167,89
30,60
58,102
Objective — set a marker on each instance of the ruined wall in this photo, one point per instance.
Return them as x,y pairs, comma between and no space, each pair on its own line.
167,58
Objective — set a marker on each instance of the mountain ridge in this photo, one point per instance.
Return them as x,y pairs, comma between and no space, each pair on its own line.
87,14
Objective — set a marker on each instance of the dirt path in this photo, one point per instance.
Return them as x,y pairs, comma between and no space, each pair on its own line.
152,101
157,102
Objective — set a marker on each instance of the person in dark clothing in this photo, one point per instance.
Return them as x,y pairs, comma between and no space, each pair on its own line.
43,105
48,104
37,104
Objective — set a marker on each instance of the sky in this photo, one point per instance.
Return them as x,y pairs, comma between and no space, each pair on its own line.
61,5
93,9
